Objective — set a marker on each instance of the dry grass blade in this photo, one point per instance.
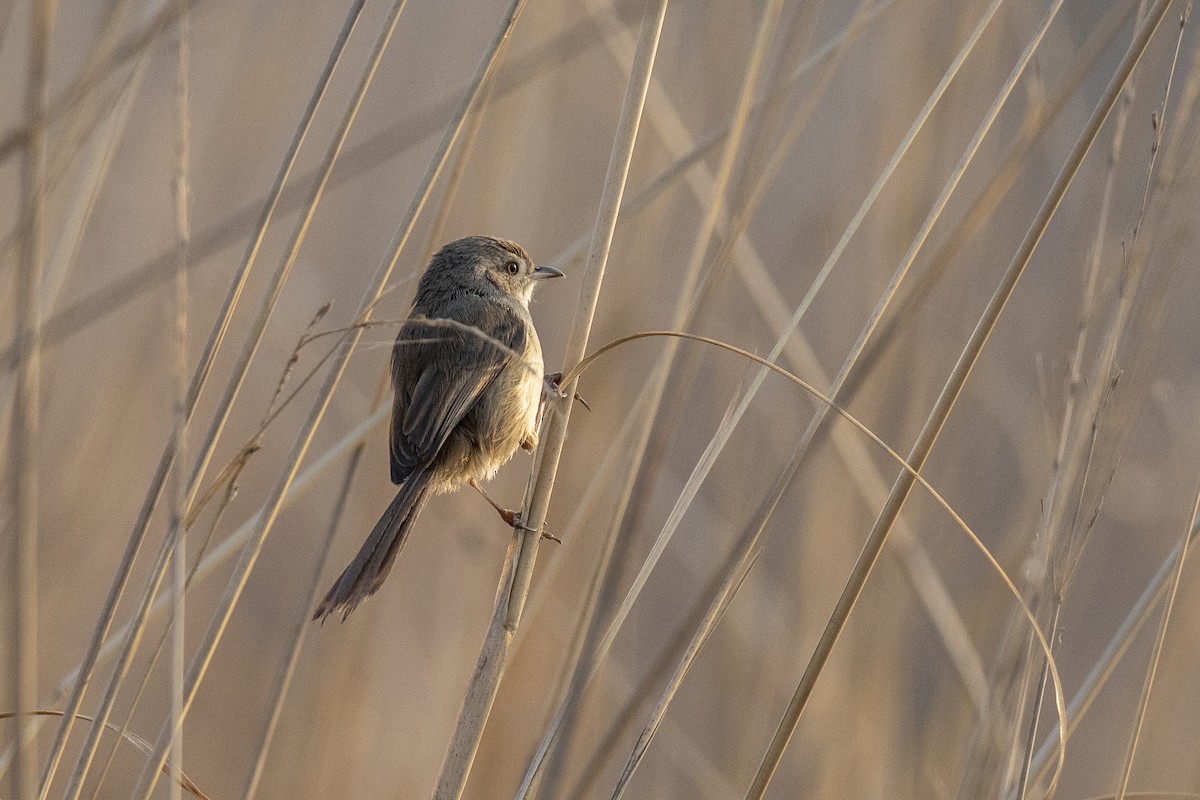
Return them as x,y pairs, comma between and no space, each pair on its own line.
704,630
169,456
518,571
945,402
1113,652
199,378
685,311
1156,652
24,461
909,470
179,503
183,780
308,428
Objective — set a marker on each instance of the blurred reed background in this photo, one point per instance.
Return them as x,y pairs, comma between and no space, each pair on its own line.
1072,451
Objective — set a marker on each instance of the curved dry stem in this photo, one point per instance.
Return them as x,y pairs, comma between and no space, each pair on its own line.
184,781
908,468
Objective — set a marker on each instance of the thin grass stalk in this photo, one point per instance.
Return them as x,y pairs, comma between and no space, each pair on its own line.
199,377
860,426
1059,537
337,367
708,624
514,587
25,463
1114,651
684,314
609,740
52,111
945,403
984,206
722,436
357,159
283,678
950,627
381,403
179,504
1156,654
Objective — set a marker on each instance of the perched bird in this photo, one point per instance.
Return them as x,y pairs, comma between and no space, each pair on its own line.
467,375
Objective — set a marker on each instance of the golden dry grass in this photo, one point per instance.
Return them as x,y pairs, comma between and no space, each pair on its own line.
1071,452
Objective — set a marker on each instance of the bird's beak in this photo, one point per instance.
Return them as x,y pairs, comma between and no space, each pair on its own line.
541,273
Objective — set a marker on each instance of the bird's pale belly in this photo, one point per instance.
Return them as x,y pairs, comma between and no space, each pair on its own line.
481,448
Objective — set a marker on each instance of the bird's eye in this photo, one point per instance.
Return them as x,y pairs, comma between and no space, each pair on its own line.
512,267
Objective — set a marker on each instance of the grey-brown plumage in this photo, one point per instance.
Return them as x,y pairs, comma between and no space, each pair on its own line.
465,400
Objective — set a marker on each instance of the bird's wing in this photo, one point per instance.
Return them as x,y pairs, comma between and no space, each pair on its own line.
440,371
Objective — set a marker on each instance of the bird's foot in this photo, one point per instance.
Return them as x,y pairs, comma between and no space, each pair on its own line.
554,381
511,518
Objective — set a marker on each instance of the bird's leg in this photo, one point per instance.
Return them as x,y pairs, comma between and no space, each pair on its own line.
510,517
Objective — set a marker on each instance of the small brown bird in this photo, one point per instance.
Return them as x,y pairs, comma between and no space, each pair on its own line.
465,400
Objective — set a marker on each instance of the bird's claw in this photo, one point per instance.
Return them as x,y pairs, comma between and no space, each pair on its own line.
513,518
554,381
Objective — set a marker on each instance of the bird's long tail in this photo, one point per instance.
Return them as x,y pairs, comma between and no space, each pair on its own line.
371,566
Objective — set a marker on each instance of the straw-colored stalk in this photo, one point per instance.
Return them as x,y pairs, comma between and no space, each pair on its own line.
518,570
27,399
324,394
945,403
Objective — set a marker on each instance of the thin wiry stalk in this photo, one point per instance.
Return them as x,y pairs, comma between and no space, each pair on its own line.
704,630
133,739
1114,651
308,428
513,589
576,663
851,361
178,526
199,377
25,464
52,111
1059,539
908,468
1156,652
1107,373
1160,639
1014,163
227,548
300,628
945,403
301,625
358,159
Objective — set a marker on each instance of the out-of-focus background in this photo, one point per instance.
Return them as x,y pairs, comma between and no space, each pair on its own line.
1073,452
